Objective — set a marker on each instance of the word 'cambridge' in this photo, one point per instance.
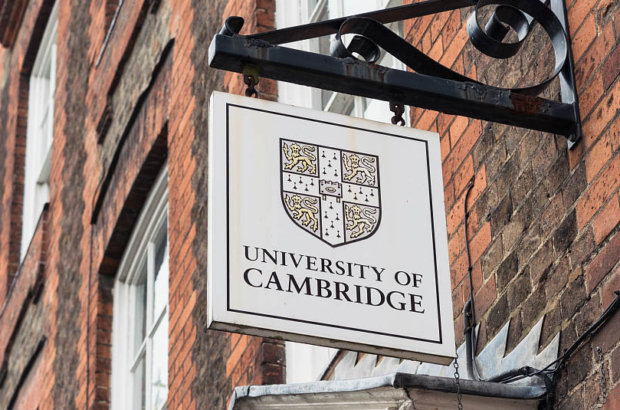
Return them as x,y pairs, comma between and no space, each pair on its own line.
322,288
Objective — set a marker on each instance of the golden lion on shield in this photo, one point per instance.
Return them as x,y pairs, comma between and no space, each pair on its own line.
359,221
302,157
303,208
362,169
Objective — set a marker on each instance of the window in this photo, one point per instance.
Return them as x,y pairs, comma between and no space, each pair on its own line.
292,13
307,363
40,131
140,325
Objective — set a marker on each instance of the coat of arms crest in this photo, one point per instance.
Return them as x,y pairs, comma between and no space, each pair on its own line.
331,193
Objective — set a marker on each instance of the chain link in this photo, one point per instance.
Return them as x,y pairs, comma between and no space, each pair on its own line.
250,81
604,393
398,109
457,380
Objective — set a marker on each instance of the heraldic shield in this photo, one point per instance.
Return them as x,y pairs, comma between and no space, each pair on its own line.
331,193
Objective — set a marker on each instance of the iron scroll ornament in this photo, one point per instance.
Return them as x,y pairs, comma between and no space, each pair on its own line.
429,85
370,35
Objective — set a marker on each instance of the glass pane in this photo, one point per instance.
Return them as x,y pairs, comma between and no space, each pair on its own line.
322,46
378,111
311,6
139,385
139,302
159,371
353,7
160,286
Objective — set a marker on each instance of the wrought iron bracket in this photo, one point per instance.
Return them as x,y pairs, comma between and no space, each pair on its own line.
430,85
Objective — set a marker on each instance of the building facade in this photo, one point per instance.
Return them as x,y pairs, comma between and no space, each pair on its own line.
103,212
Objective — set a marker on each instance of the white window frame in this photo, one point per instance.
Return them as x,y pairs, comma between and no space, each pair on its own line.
297,12
39,141
307,363
139,252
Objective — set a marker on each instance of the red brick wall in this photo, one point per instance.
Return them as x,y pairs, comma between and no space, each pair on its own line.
543,227
122,108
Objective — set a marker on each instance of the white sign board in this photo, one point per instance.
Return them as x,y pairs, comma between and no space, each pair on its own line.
327,229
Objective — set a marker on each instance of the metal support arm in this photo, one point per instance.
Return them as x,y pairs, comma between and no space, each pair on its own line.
431,85
356,77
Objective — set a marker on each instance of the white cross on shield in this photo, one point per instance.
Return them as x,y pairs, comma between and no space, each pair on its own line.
331,193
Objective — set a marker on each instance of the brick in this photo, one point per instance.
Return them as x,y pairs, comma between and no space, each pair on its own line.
464,175
458,300
498,315
614,132
454,247
582,247
574,401
427,43
495,161
599,192
584,37
565,233
454,49
427,120
557,278
521,188
502,214
591,95
480,185
607,219
607,337
558,173
552,215
485,297
437,50
439,21
598,156
445,147
576,184
541,261
443,123
544,159
507,271
611,285
592,390
594,125
615,365
455,217
578,12
480,242
511,233
611,68
593,58
519,290
457,128
483,147
573,298
459,269
493,257
477,279
529,243
449,195
534,306
452,26
603,263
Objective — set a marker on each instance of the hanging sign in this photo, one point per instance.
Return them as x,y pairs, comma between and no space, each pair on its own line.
327,229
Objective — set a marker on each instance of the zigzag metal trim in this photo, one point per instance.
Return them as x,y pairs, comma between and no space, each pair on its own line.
491,361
